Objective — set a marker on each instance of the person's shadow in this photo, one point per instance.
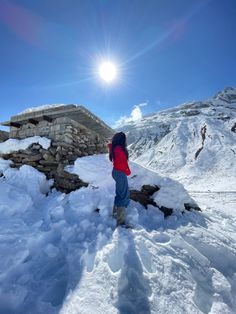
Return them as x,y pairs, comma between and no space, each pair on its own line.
133,287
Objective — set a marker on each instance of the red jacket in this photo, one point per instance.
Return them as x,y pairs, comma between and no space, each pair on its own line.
120,161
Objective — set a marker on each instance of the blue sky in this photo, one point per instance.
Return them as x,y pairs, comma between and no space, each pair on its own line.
167,52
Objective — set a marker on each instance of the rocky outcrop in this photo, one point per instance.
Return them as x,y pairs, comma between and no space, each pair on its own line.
233,129
228,95
51,162
203,134
144,197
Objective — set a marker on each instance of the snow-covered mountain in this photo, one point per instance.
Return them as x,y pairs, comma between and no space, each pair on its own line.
194,142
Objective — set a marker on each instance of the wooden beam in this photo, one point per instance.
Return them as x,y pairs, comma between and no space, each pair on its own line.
15,124
33,121
47,118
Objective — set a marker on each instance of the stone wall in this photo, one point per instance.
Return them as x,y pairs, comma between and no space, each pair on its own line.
51,162
3,136
70,140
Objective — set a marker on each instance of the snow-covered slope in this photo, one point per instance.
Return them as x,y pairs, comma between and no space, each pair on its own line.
59,255
194,143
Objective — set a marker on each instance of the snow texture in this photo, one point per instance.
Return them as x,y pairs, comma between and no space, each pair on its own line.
42,107
59,255
13,145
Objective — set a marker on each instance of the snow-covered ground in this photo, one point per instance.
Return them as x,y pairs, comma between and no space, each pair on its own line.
13,145
59,255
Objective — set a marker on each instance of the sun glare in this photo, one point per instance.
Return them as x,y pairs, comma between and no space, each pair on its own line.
108,71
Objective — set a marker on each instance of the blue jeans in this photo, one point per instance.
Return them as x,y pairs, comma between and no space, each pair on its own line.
122,197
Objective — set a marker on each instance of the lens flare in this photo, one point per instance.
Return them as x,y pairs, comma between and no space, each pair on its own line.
107,71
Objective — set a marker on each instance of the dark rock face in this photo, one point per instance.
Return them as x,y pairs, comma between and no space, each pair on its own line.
233,129
191,206
166,211
149,189
203,134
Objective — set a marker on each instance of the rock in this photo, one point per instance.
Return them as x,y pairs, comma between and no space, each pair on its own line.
32,158
166,211
48,163
35,146
67,182
150,189
16,165
30,163
233,129
72,158
189,206
52,150
48,157
65,148
6,156
82,146
144,196
30,151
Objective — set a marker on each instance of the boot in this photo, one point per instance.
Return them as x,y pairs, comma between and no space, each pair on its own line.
120,216
114,211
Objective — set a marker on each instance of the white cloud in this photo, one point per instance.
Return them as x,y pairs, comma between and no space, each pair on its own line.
135,115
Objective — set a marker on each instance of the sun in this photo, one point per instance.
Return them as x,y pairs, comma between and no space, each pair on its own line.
107,71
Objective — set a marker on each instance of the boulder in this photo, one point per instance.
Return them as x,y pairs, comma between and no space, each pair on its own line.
144,196
67,182
145,199
190,206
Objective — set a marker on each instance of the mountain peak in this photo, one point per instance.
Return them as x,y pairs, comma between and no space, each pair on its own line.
228,94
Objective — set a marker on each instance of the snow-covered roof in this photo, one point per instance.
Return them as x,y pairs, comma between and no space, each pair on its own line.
49,112
39,108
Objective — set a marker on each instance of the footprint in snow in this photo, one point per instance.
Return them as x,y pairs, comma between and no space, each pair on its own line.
162,238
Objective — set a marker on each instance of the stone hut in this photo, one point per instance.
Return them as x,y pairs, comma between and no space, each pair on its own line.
74,132
58,123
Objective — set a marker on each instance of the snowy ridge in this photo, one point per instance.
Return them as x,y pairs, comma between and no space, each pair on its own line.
194,143
58,255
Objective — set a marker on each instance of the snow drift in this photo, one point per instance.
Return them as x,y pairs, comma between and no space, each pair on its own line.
59,255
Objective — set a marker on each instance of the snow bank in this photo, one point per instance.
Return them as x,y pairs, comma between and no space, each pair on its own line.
13,145
59,255
4,165
96,170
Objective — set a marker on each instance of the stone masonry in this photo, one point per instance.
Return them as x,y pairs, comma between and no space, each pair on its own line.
3,136
70,139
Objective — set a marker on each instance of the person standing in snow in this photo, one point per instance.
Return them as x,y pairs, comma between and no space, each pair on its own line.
118,154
